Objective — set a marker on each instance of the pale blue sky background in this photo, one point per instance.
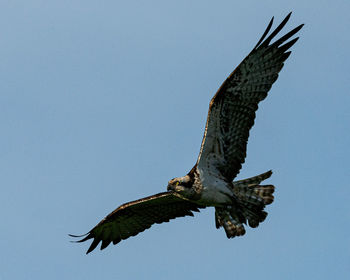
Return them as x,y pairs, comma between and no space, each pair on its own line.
102,102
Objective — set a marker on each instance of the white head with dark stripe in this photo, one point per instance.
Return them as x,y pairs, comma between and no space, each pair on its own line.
180,185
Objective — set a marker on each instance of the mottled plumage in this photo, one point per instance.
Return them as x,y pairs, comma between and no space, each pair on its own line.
210,182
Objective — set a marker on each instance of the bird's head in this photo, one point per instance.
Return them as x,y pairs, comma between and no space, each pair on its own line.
181,185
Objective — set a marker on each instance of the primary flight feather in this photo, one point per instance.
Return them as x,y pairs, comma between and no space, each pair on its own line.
210,182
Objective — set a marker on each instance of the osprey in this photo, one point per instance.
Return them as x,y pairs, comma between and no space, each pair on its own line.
223,150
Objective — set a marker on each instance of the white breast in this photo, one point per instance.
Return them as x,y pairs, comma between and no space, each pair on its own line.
215,190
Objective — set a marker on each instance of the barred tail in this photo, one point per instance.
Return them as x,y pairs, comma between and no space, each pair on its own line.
251,199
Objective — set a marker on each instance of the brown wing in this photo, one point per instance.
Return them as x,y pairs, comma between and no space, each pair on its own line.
134,217
232,109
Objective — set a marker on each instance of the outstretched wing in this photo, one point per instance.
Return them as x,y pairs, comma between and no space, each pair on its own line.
134,217
232,109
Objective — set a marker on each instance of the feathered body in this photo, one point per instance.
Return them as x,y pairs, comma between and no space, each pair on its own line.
210,182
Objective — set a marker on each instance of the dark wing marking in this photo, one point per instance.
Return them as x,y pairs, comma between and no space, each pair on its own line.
134,217
232,109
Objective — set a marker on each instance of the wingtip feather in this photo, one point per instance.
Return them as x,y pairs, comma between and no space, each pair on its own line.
105,243
277,30
93,245
265,33
86,236
77,236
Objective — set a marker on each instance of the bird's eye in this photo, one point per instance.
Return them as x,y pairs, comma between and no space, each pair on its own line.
177,183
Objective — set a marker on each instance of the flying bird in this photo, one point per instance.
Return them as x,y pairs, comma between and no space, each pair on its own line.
223,150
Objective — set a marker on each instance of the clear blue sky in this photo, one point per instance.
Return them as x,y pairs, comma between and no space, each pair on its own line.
102,102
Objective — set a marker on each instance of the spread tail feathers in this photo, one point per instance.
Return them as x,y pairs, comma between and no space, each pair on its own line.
251,199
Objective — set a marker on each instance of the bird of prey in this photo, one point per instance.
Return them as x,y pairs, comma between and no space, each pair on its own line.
210,182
